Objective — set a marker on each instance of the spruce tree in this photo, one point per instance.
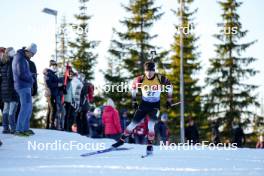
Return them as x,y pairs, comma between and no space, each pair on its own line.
191,67
114,77
63,42
37,121
231,97
82,57
136,40
131,48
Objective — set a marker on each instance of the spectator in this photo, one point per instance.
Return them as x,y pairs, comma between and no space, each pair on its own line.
52,93
34,89
191,132
238,136
68,100
9,95
81,120
215,132
77,86
33,70
162,130
95,123
74,128
141,131
23,82
60,108
124,119
260,143
111,121
2,51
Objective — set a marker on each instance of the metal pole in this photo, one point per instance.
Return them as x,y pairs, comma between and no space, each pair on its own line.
54,13
56,57
181,74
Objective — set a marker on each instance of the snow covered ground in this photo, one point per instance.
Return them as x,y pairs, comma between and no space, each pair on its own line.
17,159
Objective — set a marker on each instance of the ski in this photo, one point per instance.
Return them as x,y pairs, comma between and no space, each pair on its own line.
104,151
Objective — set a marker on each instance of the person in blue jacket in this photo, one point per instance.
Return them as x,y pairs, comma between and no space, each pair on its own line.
23,82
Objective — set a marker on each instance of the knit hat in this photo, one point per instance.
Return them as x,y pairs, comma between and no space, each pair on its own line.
53,62
32,48
97,111
110,102
10,51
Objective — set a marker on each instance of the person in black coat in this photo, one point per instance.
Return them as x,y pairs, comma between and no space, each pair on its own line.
52,92
2,51
191,132
162,130
81,120
124,120
33,70
215,132
95,124
8,93
238,136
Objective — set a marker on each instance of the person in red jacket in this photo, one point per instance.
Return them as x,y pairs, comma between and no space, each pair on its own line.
111,121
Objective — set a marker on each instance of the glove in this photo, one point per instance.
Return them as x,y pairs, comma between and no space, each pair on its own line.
134,104
169,104
64,90
60,84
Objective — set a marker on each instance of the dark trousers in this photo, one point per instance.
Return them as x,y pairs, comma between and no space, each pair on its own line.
82,125
69,116
146,108
140,139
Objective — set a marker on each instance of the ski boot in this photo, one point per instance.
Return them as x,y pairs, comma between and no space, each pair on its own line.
120,142
149,150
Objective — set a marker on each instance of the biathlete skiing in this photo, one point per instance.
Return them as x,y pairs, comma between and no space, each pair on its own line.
151,84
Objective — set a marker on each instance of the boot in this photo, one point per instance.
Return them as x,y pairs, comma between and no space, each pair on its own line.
149,150
120,142
6,129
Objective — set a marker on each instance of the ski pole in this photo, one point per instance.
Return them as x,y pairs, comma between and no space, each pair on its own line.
176,103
